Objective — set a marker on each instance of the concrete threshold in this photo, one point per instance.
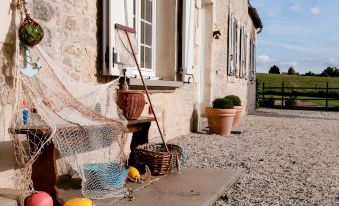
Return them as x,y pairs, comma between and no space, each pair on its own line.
200,187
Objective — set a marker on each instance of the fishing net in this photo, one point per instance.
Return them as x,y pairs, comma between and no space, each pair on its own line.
81,120
125,59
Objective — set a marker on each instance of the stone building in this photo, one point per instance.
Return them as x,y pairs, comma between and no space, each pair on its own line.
192,51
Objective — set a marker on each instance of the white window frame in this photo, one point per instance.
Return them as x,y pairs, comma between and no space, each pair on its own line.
113,13
148,72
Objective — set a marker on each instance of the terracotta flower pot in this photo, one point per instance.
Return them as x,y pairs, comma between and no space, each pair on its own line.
236,121
131,103
220,120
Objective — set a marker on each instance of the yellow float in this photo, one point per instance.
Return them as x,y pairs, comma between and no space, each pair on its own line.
133,173
78,202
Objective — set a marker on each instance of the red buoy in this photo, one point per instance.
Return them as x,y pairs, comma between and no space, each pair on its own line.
39,199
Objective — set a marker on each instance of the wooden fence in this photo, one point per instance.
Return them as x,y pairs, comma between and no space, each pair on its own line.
268,93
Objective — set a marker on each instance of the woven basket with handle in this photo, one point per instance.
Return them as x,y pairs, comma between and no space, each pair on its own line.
157,158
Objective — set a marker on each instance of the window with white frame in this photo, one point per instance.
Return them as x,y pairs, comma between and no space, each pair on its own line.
142,15
239,48
144,23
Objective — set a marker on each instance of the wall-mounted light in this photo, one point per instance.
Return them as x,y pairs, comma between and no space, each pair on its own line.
216,34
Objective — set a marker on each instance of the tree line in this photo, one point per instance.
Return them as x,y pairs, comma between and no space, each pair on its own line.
328,72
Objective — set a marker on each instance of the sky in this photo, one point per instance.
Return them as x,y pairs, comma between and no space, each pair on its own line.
303,34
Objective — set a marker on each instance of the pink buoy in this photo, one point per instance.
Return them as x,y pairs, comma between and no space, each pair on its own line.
39,199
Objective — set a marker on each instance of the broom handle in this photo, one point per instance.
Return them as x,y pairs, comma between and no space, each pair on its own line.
146,90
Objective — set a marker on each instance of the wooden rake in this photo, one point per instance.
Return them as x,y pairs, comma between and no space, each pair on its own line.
127,31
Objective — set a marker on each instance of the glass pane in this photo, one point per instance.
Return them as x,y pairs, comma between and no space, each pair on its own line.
148,57
142,57
148,34
149,10
142,32
142,8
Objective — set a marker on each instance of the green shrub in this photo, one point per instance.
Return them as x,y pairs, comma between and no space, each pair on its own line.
236,100
222,103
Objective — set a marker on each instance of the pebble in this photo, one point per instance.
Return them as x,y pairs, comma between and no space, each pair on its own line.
289,157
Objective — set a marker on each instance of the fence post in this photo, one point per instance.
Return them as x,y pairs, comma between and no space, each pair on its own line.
263,91
327,95
282,93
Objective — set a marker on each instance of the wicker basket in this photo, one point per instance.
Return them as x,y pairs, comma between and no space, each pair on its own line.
131,103
157,159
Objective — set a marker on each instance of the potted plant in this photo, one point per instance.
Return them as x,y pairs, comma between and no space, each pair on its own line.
237,105
220,116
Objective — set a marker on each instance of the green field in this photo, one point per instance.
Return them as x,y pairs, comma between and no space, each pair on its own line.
316,85
297,81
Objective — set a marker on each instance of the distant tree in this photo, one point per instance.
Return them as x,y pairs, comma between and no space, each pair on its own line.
309,74
274,70
330,72
291,71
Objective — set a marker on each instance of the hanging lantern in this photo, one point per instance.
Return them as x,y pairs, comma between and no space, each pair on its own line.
30,32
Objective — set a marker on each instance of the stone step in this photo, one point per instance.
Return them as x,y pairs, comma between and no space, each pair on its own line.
193,187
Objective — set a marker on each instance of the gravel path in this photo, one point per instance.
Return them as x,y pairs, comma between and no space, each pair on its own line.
288,157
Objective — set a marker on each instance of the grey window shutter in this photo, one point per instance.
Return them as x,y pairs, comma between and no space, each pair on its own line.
230,55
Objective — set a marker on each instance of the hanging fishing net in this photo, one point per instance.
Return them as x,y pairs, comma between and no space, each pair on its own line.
81,120
125,53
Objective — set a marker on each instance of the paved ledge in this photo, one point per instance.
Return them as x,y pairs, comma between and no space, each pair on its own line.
200,187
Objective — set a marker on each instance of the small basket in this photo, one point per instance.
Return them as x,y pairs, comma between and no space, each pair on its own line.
157,158
131,103
104,176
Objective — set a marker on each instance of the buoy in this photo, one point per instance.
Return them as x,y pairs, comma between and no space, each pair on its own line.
133,173
78,202
39,198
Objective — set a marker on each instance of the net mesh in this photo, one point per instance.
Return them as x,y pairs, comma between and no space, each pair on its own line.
126,58
81,120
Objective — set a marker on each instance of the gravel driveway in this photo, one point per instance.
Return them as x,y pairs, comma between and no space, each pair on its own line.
288,157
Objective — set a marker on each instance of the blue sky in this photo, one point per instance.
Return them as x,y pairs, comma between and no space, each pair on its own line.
299,33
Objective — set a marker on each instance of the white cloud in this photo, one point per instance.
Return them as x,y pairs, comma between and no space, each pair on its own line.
296,7
315,10
288,64
332,62
263,59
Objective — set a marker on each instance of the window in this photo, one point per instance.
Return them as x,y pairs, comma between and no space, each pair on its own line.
146,17
144,23
238,49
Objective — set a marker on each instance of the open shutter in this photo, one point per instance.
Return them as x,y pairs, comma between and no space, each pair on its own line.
238,45
188,38
252,65
247,55
241,52
245,40
114,12
254,62
230,58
